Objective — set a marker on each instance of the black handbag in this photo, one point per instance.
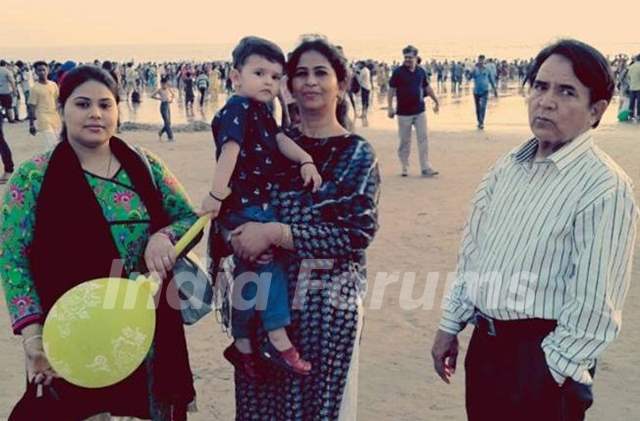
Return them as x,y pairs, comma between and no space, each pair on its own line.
191,279
194,288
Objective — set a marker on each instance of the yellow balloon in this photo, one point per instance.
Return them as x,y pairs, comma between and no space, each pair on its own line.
99,332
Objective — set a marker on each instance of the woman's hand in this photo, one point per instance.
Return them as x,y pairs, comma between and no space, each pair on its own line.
253,239
39,370
160,255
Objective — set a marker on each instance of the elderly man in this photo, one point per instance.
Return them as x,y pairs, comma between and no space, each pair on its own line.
410,86
546,256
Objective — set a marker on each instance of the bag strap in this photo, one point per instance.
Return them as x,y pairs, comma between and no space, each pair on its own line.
145,161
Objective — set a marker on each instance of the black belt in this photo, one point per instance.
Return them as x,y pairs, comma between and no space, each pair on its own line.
503,328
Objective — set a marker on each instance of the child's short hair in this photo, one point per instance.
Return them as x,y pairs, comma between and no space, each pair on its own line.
251,45
410,49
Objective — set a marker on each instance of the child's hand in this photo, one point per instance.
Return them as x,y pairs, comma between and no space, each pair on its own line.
310,175
211,206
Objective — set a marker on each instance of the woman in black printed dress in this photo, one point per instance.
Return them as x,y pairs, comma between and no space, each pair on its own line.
324,236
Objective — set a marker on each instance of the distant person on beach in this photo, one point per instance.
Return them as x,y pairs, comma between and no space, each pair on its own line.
110,68
44,119
457,72
130,78
25,79
189,94
202,83
483,78
7,89
633,77
166,96
545,259
364,80
5,153
409,86
16,97
214,83
249,149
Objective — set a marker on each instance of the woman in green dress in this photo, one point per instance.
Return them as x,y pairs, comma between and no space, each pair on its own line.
77,212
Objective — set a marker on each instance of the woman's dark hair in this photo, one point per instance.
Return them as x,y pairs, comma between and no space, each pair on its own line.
80,75
589,66
337,61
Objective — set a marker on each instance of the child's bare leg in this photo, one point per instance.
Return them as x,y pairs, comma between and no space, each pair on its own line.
280,339
244,345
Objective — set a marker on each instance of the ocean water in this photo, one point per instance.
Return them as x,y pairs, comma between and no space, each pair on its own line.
388,51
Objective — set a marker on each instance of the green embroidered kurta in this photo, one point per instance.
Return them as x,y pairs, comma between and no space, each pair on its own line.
121,205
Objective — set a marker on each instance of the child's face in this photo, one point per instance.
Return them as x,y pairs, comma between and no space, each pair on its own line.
258,79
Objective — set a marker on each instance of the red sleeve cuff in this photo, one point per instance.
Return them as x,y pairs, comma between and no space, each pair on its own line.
20,324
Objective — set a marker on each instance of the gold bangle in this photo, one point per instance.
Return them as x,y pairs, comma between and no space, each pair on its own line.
280,241
286,236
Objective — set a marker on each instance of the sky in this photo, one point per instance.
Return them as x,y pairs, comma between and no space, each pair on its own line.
30,23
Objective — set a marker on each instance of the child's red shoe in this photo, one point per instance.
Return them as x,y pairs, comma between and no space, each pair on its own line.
245,363
288,359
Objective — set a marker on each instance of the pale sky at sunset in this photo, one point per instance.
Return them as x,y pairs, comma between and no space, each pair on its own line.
88,22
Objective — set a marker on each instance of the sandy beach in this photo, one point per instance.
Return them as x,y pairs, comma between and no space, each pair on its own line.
420,227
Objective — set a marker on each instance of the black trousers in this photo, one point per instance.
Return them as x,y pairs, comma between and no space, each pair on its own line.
507,377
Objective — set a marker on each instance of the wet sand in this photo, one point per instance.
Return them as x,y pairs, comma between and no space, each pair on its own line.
421,222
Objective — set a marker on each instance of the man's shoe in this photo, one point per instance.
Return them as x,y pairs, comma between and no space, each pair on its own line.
429,173
405,172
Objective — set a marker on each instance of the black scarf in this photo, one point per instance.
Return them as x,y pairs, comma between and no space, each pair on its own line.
73,243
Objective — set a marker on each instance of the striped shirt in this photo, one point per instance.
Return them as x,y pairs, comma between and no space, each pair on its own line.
551,239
